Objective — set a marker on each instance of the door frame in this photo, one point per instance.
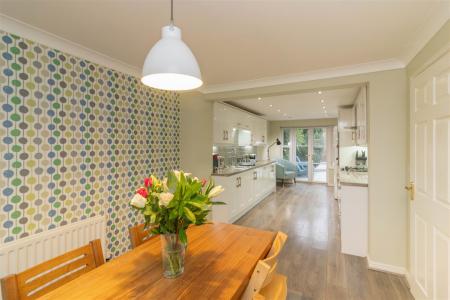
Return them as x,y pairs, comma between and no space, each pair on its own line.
416,291
293,147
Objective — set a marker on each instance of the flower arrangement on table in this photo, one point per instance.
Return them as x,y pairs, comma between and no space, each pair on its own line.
169,206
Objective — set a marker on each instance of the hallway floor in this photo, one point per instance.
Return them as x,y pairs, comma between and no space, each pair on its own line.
311,258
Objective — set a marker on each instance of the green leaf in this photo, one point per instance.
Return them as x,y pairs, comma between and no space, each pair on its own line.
182,235
189,214
218,203
172,181
196,204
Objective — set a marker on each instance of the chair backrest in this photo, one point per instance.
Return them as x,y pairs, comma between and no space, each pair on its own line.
139,235
265,269
47,276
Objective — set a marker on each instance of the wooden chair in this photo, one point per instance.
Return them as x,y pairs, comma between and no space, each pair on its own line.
139,235
47,276
265,282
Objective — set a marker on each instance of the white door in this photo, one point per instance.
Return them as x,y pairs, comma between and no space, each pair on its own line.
430,172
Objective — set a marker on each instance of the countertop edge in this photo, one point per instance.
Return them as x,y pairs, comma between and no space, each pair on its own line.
242,171
355,184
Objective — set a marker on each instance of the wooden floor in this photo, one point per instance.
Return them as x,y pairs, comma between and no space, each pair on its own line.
311,257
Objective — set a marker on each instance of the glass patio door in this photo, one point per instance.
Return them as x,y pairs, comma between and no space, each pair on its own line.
306,148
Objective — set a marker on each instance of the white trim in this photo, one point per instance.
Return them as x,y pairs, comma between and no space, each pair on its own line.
376,66
51,40
373,265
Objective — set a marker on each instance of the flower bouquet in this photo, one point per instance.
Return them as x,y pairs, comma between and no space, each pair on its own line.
169,206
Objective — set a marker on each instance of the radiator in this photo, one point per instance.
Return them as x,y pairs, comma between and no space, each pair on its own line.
24,253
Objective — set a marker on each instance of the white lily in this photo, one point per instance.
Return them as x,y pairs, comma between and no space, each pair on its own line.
165,198
138,201
216,191
177,174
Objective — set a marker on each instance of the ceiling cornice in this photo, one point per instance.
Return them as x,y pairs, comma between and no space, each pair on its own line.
370,67
46,38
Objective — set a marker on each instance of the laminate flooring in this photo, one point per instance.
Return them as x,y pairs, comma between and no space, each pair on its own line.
311,258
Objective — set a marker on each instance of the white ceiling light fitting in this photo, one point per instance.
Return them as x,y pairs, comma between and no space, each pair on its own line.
170,64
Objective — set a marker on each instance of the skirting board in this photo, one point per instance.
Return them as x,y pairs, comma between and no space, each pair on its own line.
374,265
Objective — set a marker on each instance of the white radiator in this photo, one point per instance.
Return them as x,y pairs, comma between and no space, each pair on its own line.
24,253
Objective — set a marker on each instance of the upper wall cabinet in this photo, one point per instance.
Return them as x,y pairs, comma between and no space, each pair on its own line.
361,117
227,121
223,121
352,122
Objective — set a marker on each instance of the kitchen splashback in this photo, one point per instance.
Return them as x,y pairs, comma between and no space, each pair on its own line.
231,152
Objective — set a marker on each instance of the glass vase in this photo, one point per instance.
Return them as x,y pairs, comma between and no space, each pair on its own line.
173,251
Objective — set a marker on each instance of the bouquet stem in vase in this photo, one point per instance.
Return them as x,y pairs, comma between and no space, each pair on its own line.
173,251
169,206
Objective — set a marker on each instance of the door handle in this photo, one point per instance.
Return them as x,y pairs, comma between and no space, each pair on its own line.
411,190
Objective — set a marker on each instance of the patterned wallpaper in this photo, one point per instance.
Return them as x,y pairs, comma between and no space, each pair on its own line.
76,140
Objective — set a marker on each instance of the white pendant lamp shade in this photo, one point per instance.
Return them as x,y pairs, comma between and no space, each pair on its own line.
170,64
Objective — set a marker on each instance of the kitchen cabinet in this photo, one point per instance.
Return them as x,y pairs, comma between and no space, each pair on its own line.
227,121
354,219
346,126
361,117
242,192
259,131
352,122
223,120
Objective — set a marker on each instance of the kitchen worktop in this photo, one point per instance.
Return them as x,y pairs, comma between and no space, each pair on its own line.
230,171
354,178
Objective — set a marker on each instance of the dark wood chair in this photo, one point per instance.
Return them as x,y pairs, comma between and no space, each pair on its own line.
47,276
139,235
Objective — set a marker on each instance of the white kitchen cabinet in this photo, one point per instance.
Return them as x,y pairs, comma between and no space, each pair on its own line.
228,121
259,130
346,125
354,219
361,117
223,120
242,192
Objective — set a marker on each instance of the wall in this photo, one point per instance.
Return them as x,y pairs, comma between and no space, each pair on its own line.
196,134
274,128
388,113
77,140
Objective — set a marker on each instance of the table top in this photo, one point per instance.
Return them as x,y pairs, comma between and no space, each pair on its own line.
220,259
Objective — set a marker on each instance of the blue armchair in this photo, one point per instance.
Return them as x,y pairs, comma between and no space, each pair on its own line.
285,170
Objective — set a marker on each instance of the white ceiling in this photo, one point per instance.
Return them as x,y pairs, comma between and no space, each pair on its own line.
237,41
299,106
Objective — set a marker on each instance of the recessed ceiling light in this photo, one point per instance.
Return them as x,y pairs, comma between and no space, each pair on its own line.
324,107
278,110
259,98
321,101
319,92
270,105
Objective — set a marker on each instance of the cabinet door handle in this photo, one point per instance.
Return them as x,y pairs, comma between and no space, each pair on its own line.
263,139
223,135
227,135
237,182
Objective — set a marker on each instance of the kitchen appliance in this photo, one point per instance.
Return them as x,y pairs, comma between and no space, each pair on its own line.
218,162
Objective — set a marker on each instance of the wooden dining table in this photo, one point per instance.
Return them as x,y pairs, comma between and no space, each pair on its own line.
219,262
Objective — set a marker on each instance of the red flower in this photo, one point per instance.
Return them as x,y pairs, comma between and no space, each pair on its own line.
148,182
143,192
203,182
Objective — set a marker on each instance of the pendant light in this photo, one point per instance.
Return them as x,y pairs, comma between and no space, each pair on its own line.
170,64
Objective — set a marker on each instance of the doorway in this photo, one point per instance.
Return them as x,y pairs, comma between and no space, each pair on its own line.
307,149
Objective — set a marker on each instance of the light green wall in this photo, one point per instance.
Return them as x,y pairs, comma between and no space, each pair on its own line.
196,134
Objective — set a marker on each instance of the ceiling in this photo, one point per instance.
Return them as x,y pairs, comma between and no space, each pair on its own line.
300,106
236,41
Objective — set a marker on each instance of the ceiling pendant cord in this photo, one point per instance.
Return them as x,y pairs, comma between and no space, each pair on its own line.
172,24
